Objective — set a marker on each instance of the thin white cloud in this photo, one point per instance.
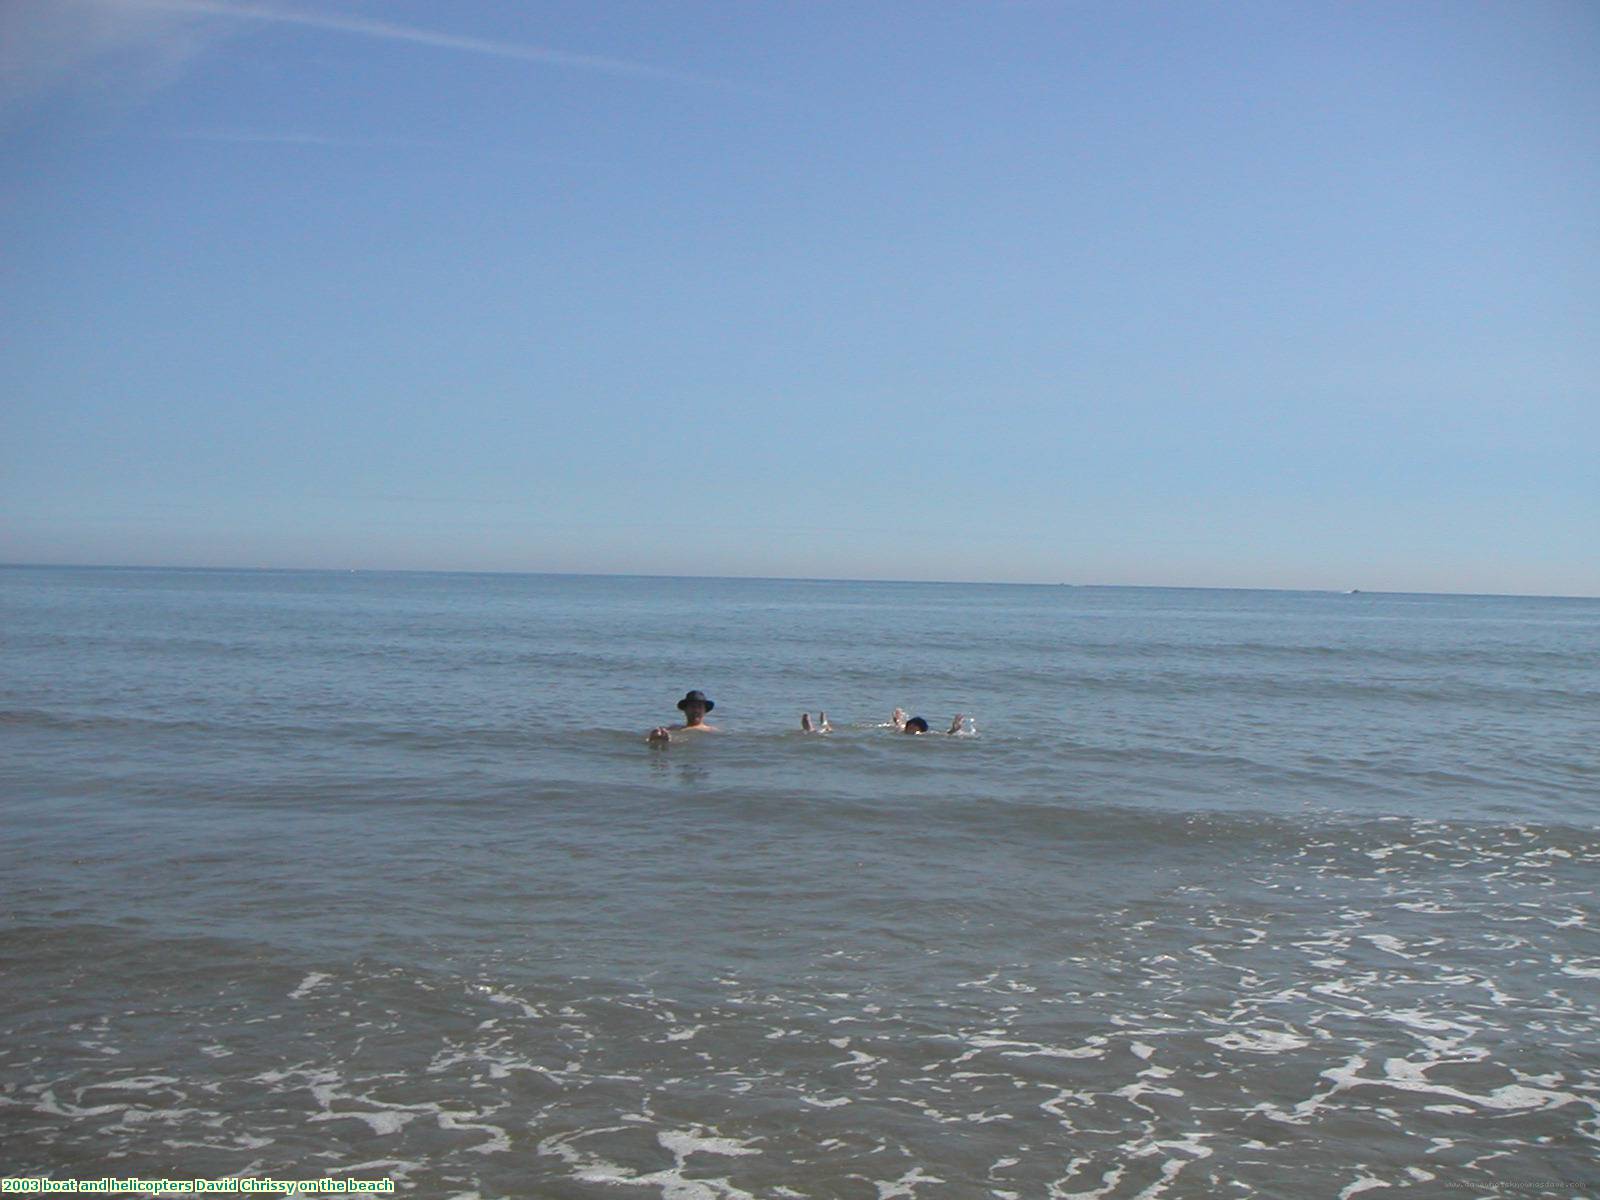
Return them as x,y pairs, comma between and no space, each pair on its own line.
122,49
99,46
391,31
247,137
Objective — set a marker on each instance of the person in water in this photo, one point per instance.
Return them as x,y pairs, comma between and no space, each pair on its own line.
915,725
823,725
694,707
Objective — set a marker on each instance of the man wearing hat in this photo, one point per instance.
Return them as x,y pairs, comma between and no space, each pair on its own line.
694,708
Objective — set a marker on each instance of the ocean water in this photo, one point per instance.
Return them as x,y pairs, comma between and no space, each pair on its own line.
1231,893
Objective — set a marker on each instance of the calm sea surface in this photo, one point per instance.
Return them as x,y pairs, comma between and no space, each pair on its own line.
1231,893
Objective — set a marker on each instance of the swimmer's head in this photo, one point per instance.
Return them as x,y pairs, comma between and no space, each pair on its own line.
916,725
695,706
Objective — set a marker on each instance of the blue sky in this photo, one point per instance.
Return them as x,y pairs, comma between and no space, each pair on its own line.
1282,295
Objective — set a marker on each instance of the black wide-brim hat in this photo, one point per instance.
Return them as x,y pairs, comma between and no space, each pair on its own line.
697,695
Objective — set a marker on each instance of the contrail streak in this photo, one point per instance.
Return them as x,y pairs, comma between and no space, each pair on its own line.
389,31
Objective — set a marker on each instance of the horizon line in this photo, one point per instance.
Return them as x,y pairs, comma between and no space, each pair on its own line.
1171,587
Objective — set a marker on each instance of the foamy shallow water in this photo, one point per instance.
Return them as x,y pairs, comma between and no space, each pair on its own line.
1232,893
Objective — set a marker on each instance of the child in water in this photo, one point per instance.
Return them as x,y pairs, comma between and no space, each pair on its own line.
901,723
915,725
695,706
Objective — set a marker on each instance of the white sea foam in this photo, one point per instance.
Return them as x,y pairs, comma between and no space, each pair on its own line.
588,1167
1362,1183
1496,996
1388,942
682,1143
381,1123
1407,1075
49,1104
501,997
498,1141
307,985
906,1185
1417,1019
1260,1041
1015,1049
137,1083
1170,1169
1108,1180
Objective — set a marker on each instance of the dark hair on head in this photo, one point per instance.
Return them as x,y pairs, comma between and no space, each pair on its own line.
916,725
